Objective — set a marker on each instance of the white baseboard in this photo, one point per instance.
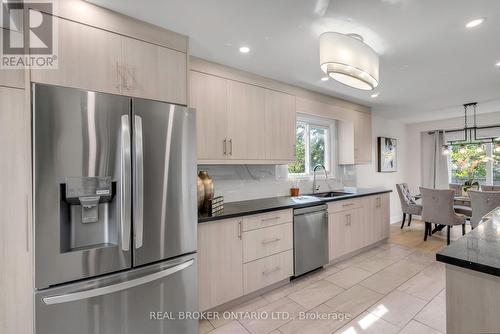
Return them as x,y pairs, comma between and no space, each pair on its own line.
396,219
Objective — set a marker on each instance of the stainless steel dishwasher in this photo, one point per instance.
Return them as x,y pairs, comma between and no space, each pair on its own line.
310,238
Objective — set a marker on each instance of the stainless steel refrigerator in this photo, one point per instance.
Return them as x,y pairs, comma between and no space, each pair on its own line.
114,213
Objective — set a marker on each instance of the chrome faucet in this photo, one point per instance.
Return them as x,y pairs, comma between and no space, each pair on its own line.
316,187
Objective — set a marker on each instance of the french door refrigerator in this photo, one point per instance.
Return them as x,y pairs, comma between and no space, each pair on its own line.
114,213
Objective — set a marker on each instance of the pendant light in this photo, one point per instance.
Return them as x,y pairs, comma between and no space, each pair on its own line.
347,59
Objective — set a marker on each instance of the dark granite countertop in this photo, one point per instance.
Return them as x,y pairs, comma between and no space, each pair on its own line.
478,250
250,207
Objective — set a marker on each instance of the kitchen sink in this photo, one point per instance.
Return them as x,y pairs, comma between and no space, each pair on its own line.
332,194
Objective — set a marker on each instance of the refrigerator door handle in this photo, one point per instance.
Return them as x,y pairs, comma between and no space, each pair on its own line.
138,199
125,176
96,292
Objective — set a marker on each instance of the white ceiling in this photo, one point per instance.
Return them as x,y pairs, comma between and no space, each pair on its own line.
430,64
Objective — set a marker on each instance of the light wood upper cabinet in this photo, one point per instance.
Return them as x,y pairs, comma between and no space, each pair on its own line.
208,94
154,72
88,58
246,128
241,123
280,125
346,142
362,137
220,262
94,59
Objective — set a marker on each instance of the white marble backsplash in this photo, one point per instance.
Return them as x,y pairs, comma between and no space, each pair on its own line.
245,182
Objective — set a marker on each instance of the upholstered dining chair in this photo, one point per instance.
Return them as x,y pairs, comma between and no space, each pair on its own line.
490,188
482,202
438,209
408,204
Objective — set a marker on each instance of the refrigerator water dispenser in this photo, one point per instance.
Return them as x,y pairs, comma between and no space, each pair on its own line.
86,213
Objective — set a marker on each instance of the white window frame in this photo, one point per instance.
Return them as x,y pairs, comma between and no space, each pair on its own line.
489,165
330,145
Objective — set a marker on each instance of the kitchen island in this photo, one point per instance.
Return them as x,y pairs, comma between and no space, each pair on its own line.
473,279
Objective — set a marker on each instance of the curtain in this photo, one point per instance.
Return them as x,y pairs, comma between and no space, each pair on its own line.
434,164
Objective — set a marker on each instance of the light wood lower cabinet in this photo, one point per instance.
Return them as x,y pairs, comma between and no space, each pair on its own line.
220,262
346,232
240,256
266,271
357,223
267,241
16,251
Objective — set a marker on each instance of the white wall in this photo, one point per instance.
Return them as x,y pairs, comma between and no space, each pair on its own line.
413,136
367,175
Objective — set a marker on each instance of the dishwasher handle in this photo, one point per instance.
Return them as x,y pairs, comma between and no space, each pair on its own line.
310,209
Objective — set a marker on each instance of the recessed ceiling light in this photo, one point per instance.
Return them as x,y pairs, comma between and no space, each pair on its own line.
244,49
475,22
374,95
325,78
497,64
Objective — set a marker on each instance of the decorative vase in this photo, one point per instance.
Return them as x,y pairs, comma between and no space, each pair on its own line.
201,193
208,184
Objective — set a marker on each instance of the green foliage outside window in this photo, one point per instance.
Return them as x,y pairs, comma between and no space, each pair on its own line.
317,146
299,167
311,148
467,163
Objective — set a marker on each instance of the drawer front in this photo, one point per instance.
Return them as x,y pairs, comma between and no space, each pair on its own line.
269,270
267,219
340,206
267,241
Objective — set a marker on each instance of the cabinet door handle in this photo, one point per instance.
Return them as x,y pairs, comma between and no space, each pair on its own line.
346,220
240,230
348,204
224,146
230,147
269,219
265,242
267,272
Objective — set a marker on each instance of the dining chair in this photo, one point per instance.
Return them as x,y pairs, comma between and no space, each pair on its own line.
438,209
482,202
490,188
408,203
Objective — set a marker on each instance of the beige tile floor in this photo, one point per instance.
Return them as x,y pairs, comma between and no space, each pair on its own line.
396,287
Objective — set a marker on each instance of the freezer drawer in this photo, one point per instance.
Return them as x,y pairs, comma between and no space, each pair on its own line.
131,302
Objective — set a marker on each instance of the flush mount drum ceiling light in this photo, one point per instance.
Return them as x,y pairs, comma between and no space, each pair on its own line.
347,59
